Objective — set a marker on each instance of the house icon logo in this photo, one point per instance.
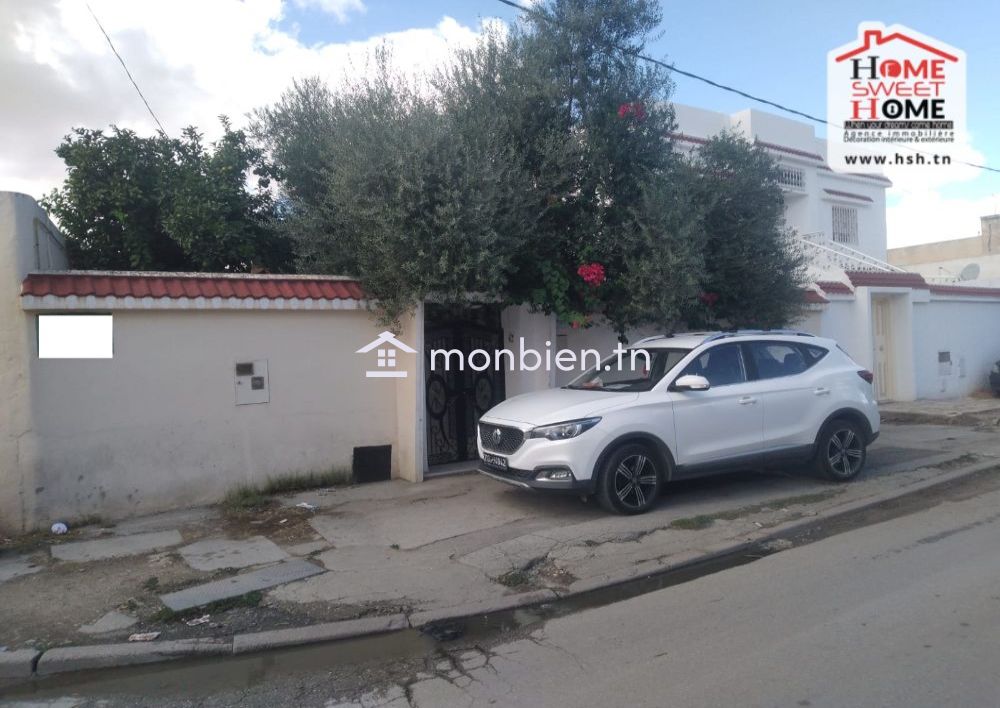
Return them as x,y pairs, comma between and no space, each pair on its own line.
386,345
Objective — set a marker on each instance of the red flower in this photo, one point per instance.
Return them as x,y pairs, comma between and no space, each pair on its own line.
634,109
709,298
592,273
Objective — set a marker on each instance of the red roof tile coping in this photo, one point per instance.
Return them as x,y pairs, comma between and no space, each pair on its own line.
791,151
866,175
814,298
963,290
851,195
190,285
834,287
899,280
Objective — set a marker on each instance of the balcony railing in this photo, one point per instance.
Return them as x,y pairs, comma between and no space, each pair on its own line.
792,179
827,254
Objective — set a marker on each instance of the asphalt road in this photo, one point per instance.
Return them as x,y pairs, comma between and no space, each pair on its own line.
901,613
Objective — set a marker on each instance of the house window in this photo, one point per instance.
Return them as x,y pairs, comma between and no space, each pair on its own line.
75,337
845,224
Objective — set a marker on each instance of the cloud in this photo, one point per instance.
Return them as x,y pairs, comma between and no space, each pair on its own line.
338,8
923,205
920,216
57,72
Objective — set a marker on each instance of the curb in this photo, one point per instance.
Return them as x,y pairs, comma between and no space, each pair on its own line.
27,662
103,656
483,607
18,664
315,633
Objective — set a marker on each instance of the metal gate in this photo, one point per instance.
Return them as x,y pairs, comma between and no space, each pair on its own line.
457,398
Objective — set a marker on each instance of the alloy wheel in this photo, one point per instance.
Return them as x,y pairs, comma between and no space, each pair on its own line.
635,481
845,452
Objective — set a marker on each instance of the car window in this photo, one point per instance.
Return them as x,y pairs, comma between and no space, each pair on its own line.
774,359
721,365
635,370
813,353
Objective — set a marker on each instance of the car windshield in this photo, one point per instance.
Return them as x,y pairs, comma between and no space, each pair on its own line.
634,370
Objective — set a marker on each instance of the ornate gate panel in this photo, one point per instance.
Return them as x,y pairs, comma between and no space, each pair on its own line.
456,398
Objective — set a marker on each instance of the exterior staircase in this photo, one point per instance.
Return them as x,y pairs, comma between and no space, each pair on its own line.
828,256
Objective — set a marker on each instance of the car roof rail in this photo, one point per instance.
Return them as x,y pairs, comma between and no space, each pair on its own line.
749,332
647,340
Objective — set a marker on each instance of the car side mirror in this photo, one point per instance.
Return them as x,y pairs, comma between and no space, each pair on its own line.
691,382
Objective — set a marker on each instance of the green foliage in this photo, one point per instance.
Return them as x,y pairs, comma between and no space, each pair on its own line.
751,261
159,203
541,149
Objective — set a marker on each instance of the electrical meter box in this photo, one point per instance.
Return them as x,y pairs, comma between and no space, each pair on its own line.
251,382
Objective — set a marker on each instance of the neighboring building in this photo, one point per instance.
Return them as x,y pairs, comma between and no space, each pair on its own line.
975,260
209,381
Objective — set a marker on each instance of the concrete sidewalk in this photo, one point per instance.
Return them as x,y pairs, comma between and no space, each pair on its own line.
453,546
982,412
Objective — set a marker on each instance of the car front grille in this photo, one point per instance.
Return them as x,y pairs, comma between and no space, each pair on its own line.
500,438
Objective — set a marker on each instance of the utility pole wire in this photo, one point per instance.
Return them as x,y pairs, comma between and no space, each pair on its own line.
127,72
730,89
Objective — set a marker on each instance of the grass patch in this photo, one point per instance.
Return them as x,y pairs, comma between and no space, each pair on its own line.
693,523
966,459
703,521
152,583
250,599
514,578
253,497
245,498
305,481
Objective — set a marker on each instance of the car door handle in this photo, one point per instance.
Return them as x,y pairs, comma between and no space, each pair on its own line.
821,391
747,401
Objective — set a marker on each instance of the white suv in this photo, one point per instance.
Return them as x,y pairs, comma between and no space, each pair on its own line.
684,406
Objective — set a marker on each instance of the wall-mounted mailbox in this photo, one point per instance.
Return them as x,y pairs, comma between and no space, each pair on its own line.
251,382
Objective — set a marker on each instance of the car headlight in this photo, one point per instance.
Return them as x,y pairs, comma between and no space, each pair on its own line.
564,431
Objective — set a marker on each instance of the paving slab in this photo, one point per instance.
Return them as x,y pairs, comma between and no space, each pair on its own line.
329,631
17,566
261,579
18,664
111,622
446,509
101,656
218,553
362,575
115,546
308,547
509,555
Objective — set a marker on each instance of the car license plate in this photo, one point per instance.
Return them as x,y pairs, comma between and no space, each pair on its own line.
495,461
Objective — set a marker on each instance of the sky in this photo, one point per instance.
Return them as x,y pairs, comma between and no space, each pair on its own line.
198,59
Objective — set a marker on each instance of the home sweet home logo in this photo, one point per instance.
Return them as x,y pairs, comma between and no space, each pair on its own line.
895,97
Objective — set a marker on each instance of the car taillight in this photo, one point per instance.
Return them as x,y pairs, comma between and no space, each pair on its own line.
867,375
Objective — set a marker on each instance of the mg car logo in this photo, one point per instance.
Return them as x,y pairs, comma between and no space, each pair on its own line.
497,435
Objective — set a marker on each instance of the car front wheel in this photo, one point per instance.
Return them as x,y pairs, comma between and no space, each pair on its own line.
841,452
631,480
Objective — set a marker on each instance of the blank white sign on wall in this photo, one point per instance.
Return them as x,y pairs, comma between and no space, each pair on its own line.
75,337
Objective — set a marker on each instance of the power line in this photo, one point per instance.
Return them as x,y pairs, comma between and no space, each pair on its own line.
127,72
738,92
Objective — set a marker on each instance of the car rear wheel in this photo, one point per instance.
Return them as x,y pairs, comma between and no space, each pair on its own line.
841,453
631,480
